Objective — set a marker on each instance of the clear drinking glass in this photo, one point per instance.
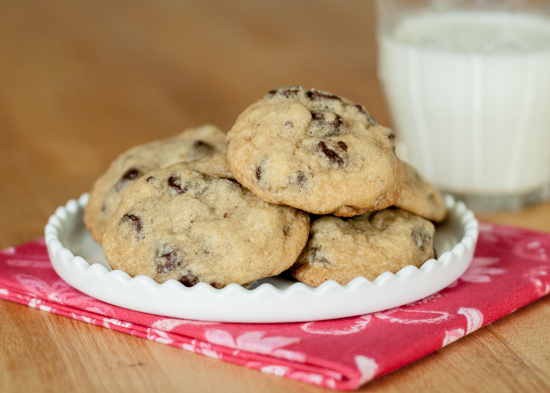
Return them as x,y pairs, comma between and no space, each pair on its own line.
468,85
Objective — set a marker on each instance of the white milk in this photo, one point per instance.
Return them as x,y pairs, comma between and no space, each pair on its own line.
470,97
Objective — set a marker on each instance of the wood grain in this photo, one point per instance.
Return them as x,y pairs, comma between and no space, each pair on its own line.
81,81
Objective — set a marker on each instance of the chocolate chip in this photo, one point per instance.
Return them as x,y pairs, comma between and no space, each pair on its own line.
224,215
131,174
259,173
321,95
128,176
421,238
343,146
325,124
314,249
314,255
189,279
391,137
174,182
301,179
318,116
285,229
290,91
289,124
167,258
337,122
200,145
331,154
149,179
134,220
362,109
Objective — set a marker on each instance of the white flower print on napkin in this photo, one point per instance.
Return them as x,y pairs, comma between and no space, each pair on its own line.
256,342
474,319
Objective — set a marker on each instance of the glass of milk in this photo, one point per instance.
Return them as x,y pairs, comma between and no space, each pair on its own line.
468,85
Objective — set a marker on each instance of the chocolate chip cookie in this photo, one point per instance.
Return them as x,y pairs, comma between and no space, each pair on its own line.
191,226
366,245
106,194
421,197
315,151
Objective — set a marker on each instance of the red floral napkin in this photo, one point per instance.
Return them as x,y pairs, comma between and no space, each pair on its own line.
511,268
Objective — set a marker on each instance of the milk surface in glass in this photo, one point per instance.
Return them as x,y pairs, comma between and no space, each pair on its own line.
470,96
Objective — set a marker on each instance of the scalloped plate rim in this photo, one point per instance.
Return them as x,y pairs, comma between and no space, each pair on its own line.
80,274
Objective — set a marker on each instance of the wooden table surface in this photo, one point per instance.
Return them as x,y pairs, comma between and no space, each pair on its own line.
81,81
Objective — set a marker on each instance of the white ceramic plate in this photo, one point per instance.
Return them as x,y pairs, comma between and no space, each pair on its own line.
80,262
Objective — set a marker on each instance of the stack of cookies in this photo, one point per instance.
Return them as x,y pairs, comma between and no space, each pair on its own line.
305,181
